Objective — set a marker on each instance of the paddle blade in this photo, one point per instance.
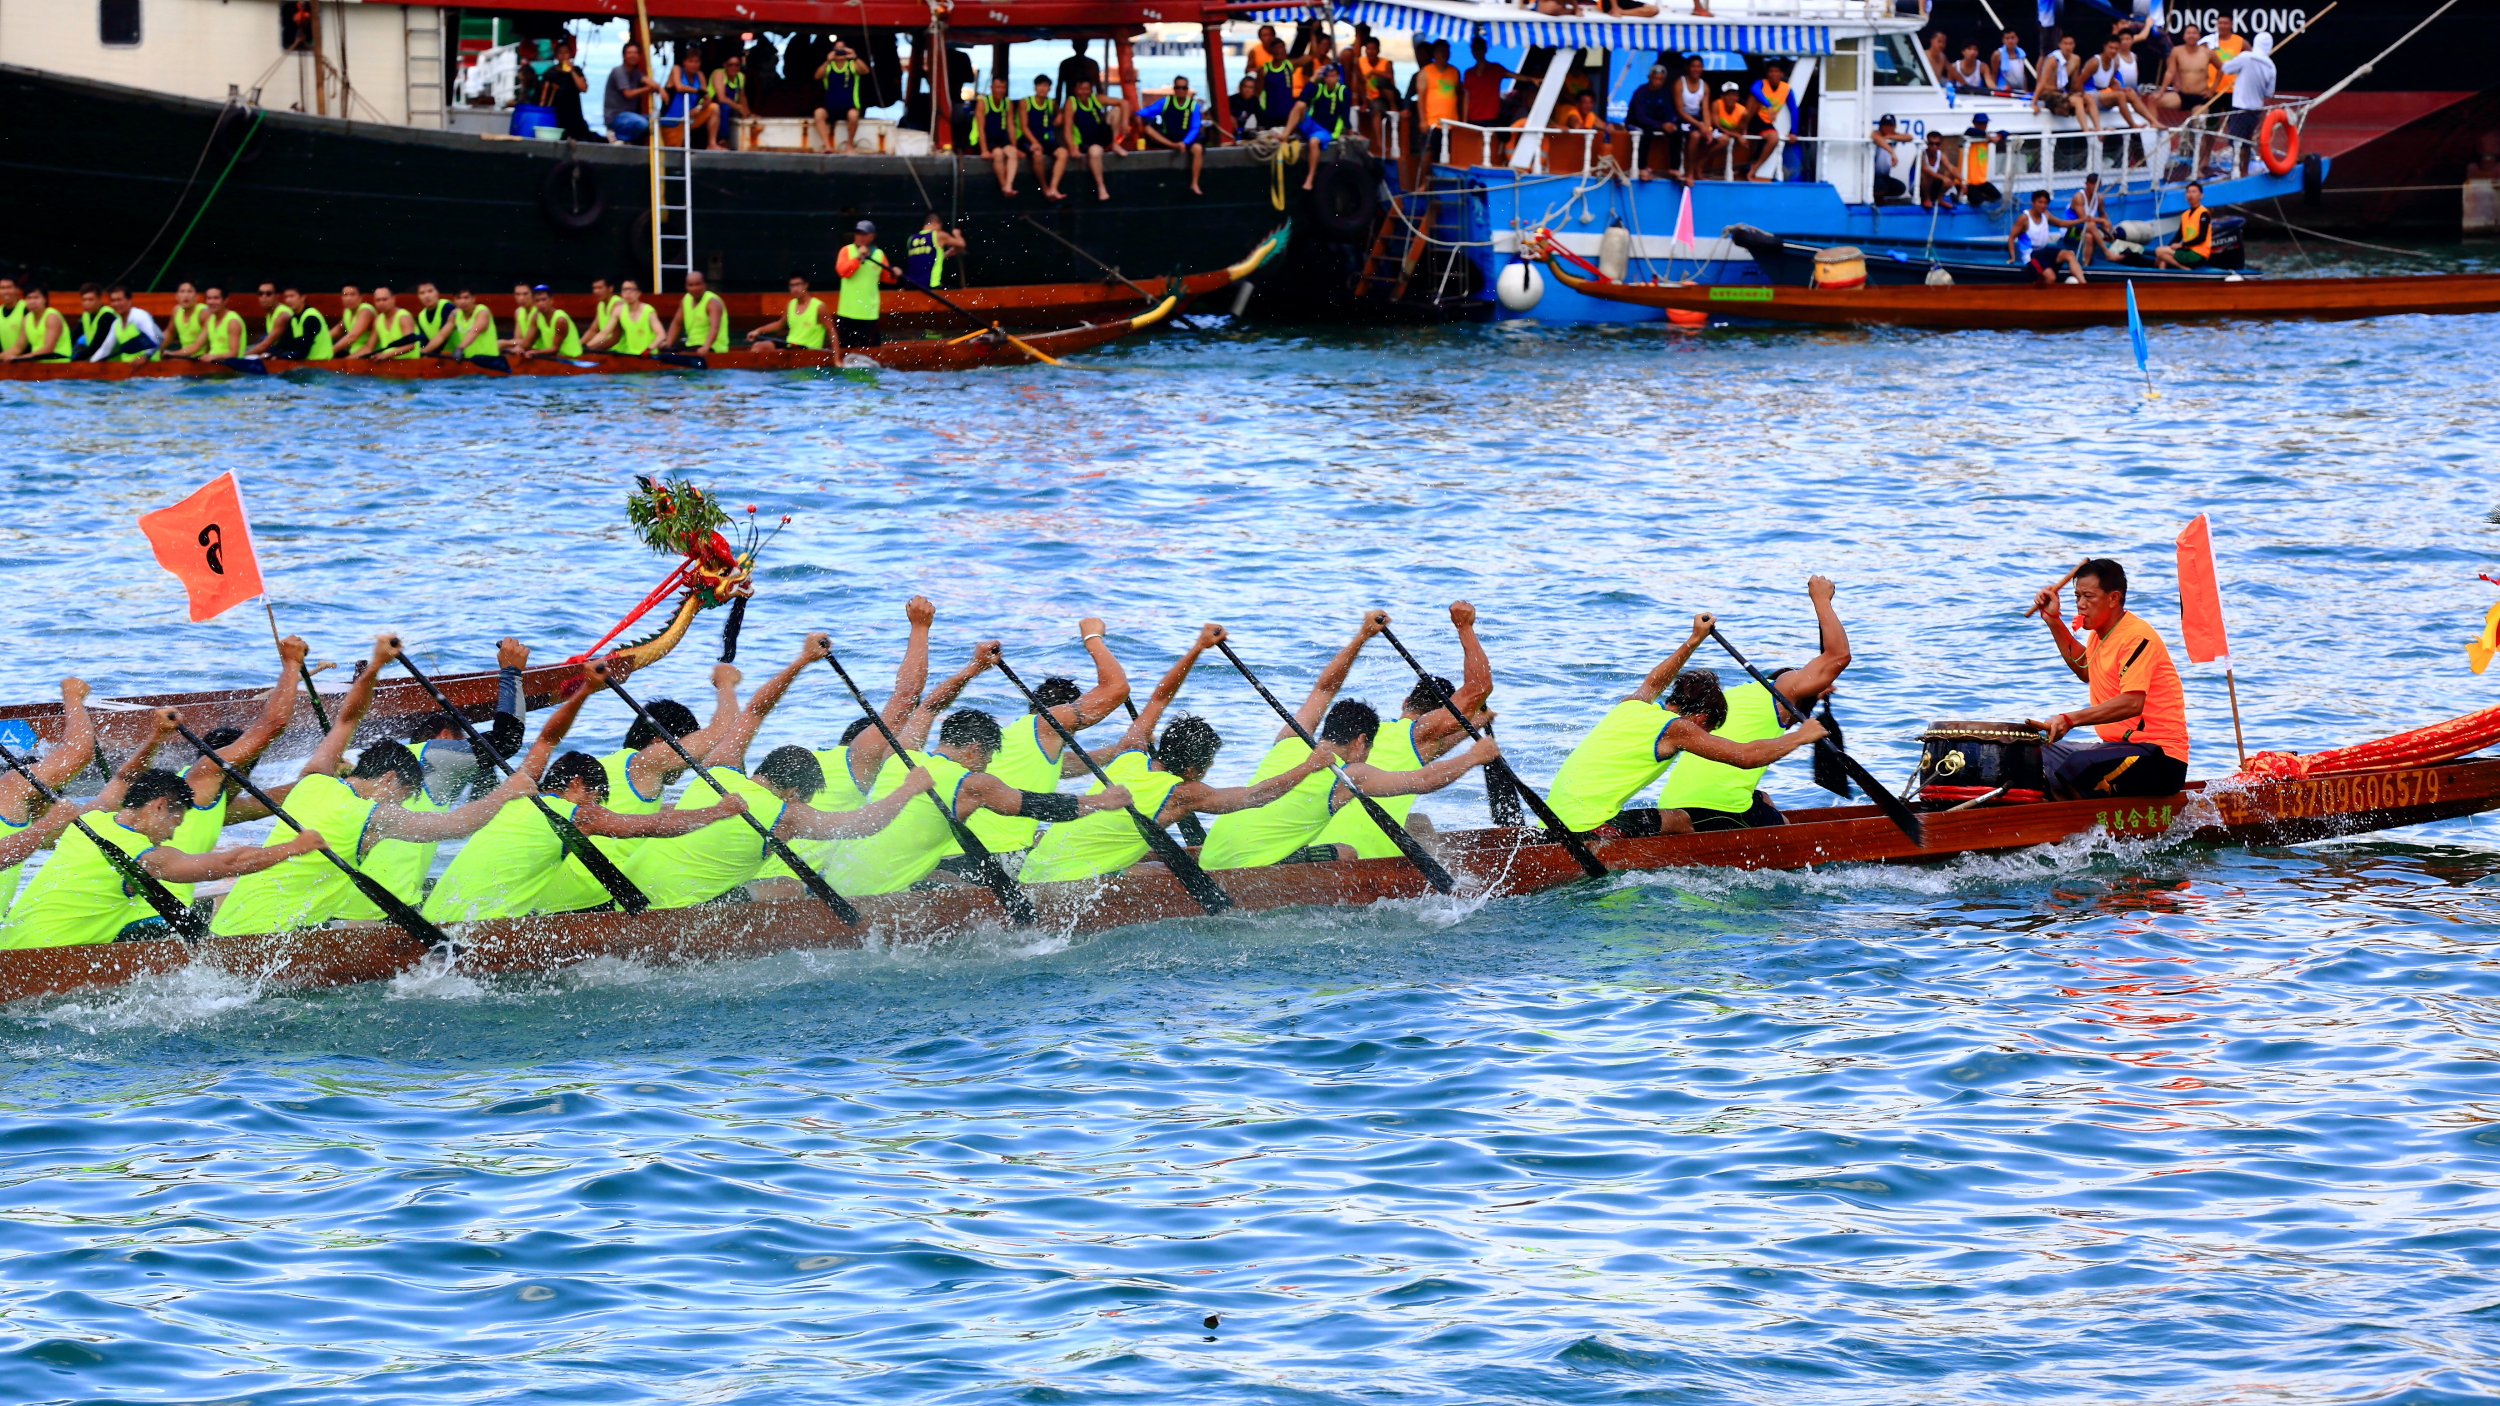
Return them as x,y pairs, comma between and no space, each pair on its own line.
1831,766
1894,808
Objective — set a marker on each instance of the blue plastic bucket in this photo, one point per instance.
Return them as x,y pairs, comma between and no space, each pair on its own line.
527,118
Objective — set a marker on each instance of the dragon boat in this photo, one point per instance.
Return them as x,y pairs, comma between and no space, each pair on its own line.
2409,779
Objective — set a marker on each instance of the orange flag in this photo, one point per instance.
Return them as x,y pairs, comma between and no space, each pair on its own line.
207,542
2200,597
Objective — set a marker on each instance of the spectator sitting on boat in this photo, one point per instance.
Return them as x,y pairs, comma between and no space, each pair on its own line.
1774,117
2090,211
1938,56
1041,130
2038,238
1376,78
2252,88
1581,115
1886,136
994,135
2108,81
2138,745
1692,116
1729,114
628,105
1246,119
1939,179
1088,127
2186,75
689,102
1977,189
845,81
801,325
730,108
1628,9
1276,88
1651,112
1321,117
2010,65
560,90
1172,123
2195,243
2059,72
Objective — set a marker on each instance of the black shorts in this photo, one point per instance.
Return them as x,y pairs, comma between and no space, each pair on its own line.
855,333
2045,260
2086,768
1760,815
2243,123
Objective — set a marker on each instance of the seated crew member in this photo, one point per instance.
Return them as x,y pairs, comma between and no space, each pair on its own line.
801,325
307,336
1167,781
604,304
365,818
1088,127
20,814
452,766
553,332
222,335
517,863
1422,732
1031,755
469,334
93,326
1641,735
13,317
395,330
1174,122
634,330
434,321
1041,132
861,267
48,335
182,325
276,322
995,122
2090,211
640,771
701,319
524,320
1774,116
19,843
79,897
134,335
2138,712
1715,796
356,336
919,839
2195,244
2038,239
1320,118
216,800
926,252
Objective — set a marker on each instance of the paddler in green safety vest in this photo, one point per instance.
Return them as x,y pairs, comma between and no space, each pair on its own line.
19,843
12,319
1166,781
185,323
274,321
47,333
1717,796
861,266
133,335
395,332
552,329
524,319
434,320
1634,743
80,897
603,304
635,330
1032,756
305,333
724,860
94,324
1287,830
361,809
701,321
1422,731
802,323
19,804
355,335
216,801
468,334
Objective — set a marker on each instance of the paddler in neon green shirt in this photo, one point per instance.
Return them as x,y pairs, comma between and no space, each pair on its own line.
1716,796
634,330
1421,733
468,333
358,808
356,335
701,319
552,329
1637,738
72,754
189,317
801,325
12,318
861,266
1032,755
395,332
80,897
216,801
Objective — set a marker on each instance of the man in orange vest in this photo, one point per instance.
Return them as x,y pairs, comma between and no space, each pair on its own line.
2195,244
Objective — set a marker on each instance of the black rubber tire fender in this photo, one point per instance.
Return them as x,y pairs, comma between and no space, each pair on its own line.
570,196
1345,201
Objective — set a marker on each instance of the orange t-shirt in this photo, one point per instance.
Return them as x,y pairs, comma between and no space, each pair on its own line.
1572,119
1437,95
2131,658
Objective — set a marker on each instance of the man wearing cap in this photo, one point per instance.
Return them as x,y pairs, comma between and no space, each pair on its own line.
1729,116
1977,189
861,267
1886,136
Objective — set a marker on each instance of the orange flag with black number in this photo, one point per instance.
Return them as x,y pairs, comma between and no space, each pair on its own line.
2200,595
206,542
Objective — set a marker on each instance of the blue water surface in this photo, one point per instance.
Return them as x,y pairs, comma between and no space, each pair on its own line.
2098,1123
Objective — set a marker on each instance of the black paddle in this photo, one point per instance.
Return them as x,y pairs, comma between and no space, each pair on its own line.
602,868
176,913
773,844
1193,830
393,907
1430,867
1885,801
1571,843
1210,897
1011,895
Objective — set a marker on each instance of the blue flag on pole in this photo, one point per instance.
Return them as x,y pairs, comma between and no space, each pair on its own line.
2048,13
2136,339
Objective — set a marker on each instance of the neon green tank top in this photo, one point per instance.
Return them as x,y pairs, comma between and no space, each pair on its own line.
514,865
685,870
306,890
1106,841
556,333
186,326
227,335
364,342
13,328
479,333
78,897
1611,765
1702,783
803,323
903,853
397,325
639,329
198,833
707,323
839,793
8,876
859,300
1247,839
1392,750
1020,763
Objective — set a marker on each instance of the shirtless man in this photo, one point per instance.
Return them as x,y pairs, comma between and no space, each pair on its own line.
2187,75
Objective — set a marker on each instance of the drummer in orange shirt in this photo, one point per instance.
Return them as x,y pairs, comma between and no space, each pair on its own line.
2138,745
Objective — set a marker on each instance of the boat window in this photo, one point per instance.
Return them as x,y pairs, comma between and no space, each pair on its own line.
117,23
1897,64
1840,68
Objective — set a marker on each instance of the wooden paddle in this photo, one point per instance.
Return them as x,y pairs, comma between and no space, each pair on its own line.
1210,897
1011,895
628,897
774,845
1398,834
1572,844
176,913
1891,805
393,907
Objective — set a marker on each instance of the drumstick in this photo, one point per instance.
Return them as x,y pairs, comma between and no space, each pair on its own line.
2053,590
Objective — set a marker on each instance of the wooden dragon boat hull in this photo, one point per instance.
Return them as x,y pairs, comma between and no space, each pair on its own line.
989,347
2034,308
1487,863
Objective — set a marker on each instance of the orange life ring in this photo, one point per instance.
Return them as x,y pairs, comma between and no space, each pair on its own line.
2278,120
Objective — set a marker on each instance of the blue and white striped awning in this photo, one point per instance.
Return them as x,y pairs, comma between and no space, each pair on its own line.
1508,27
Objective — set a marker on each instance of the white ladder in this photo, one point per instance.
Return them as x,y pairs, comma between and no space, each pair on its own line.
676,210
425,66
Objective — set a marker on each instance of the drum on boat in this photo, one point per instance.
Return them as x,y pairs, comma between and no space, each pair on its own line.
1965,760
1841,266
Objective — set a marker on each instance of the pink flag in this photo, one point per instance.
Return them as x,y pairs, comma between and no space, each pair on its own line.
1684,222
2200,596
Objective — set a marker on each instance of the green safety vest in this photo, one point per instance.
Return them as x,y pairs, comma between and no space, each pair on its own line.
122,334
477,337
365,341
186,329
1106,841
839,793
227,335
903,853
1246,839
63,345
8,876
707,323
401,865
93,327
804,323
860,301
1021,763
1393,749
198,833
321,348
514,865
556,333
305,890
397,325
13,327
1700,782
638,329
78,897
1611,765
684,870
430,321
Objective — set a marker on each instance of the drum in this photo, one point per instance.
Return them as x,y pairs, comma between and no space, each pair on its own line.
1962,761
1841,266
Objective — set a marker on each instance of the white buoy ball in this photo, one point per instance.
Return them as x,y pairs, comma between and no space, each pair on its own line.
1520,287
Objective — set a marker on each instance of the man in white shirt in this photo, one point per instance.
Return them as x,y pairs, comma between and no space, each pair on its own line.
133,335
2252,88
